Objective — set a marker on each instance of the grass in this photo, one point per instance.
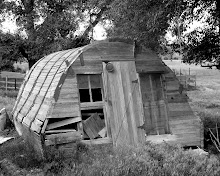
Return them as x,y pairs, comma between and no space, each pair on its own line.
150,159
7,101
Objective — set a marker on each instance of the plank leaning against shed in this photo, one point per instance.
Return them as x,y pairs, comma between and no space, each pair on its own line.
105,92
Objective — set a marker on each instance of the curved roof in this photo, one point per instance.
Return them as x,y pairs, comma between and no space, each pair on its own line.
37,92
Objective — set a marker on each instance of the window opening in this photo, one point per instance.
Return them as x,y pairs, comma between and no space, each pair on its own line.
91,102
90,88
59,124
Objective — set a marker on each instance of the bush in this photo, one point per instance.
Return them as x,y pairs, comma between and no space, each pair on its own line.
209,121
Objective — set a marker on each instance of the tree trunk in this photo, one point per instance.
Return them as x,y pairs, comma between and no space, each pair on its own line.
31,63
98,18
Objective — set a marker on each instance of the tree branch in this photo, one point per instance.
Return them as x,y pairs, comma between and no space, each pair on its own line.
97,19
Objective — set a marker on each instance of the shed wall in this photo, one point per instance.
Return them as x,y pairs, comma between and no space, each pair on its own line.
183,123
67,104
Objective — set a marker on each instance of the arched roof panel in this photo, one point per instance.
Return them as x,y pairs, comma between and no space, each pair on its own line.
36,95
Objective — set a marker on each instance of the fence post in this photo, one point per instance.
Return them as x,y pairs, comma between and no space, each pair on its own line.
15,84
6,85
195,81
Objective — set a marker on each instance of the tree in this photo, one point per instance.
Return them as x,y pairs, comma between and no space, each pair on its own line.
202,44
144,20
9,53
49,25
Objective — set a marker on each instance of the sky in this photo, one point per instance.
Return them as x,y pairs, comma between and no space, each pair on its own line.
9,26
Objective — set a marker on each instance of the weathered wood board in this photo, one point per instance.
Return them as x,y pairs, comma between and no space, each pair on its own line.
93,125
122,97
61,138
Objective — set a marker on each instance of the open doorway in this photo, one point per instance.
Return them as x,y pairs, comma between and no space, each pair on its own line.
154,104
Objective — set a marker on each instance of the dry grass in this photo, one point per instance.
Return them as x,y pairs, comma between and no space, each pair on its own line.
7,102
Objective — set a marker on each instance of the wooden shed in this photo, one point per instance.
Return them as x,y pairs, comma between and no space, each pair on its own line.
104,92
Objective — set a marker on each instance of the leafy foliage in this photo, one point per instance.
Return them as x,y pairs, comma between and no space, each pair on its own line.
205,49
143,20
47,26
9,52
202,44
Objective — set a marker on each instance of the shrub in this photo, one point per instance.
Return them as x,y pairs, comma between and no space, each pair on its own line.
209,121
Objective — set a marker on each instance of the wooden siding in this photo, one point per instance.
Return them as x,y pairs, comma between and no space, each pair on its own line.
186,126
67,104
148,62
123,104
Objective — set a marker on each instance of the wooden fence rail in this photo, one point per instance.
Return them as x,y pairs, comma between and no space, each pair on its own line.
187,80
11,80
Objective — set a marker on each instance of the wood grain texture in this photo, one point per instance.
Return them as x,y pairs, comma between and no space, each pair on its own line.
93,125
183,122
62,138
120,99
63,123
97,141
67,104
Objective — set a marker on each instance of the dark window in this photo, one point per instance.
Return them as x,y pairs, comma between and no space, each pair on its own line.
84,95
97,94
90,88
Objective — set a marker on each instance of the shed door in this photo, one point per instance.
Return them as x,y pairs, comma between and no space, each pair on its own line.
155,110
123,103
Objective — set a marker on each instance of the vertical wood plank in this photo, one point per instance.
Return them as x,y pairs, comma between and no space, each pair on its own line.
129,112
167,128
15,84
90,90
79,124
119,107
153,109
123,102
138,107
108,110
